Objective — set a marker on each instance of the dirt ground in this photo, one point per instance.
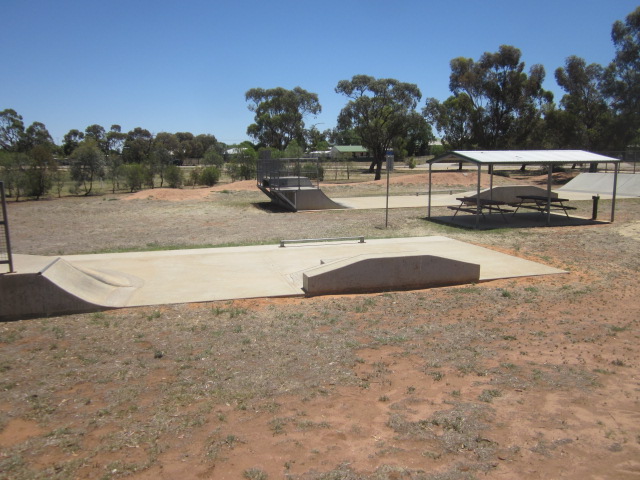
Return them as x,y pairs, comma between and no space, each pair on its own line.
534,378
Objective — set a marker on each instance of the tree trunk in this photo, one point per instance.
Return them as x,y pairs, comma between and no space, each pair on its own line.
378,163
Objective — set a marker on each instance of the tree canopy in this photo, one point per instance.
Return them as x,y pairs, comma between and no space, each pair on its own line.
623,78
380,112
279,115
586,111
495,104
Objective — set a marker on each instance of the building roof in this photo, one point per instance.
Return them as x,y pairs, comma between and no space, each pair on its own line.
519,157
350,148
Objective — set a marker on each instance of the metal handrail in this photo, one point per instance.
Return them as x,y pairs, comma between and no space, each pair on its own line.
333,239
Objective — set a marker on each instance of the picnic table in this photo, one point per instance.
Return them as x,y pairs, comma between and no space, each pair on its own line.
540,203
471,204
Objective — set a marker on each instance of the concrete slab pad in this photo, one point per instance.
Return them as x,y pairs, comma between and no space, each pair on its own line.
201,275
441,200
398,201
520,220
265,271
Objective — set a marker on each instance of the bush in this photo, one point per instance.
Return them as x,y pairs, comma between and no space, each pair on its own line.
194,176
210,176
133,175
411,163
241,171
173,175
212,157
310,170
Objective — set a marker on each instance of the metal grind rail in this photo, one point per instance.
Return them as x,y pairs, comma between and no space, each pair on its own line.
314,240
5,242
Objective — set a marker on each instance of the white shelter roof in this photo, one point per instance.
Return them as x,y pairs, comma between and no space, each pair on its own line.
519,157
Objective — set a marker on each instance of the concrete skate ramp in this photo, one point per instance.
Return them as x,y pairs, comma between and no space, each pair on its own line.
82,283
313,199
383,272
509,193
602,183
297,193
62,288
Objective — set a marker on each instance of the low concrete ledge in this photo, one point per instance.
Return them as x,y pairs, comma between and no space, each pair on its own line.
384,272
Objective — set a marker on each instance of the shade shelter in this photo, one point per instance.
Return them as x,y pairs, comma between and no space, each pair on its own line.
546,158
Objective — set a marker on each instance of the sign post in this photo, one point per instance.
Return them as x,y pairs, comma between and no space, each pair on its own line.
389,158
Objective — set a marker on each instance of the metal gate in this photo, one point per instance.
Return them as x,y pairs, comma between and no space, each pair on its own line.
5,243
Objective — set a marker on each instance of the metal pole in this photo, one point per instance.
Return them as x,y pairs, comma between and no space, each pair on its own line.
491,182
386,219
429,207
5,222
549,177
478,210
615,188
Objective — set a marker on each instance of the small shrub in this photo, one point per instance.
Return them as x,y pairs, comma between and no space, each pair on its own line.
173,175
210,176
255,474
133,176
194,176
488,395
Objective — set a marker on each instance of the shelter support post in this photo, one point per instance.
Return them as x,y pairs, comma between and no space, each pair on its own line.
491,182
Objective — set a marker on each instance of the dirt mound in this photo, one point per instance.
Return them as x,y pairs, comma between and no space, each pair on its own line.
189,193
437,178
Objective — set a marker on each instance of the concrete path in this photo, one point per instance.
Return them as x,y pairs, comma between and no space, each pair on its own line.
398,201
440,200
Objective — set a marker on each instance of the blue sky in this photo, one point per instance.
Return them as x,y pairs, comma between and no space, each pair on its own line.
185,66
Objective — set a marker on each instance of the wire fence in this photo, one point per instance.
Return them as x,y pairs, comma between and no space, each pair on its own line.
630,160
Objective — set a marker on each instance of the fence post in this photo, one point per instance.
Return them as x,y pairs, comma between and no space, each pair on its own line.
4,222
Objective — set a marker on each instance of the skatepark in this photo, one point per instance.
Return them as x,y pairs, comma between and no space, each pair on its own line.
80,283
50,285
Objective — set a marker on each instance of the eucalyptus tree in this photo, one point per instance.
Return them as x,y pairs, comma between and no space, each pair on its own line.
588,115
11,130
379,111
243,163
137,146
495,103
454,119
98,134
279,115
40,172
418,138
623,78
115,138
71,140
36,134
87,165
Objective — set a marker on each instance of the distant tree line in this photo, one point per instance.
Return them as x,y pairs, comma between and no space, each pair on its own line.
495,103
32,165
